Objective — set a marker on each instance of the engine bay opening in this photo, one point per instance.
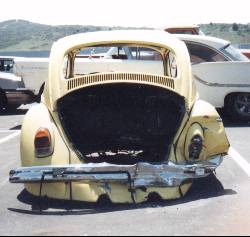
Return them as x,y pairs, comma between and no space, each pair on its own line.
121,123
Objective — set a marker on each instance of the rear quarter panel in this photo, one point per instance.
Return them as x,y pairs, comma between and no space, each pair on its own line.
215,138
215,81
38,117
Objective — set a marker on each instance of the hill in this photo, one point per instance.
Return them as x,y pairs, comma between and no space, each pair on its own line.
235,33
20,35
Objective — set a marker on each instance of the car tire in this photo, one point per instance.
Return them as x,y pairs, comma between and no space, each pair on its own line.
238,106
3,100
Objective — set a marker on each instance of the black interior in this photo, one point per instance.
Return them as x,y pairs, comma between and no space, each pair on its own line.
121,123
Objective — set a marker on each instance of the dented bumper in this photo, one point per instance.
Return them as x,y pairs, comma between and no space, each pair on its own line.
139,175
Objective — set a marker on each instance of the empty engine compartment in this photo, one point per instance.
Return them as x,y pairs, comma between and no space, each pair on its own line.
121,123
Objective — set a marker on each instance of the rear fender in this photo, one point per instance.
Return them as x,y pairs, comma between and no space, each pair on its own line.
39,117
205,121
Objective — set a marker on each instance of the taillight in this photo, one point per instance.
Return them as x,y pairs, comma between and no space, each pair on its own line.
43,143
195,147
195,143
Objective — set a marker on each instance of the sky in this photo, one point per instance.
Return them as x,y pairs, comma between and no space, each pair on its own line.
139,13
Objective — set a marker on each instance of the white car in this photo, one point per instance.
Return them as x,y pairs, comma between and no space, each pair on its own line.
222,74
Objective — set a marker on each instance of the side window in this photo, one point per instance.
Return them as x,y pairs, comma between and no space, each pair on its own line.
6,65
200,53
172,69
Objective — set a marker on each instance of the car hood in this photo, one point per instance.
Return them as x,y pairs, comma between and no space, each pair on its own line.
9,76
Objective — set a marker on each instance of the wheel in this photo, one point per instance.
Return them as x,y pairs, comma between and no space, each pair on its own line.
3,100
238,106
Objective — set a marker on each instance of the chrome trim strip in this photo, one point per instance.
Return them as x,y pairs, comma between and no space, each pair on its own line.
219,85
141,174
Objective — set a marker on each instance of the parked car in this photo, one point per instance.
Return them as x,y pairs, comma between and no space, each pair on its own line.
12,89
116,128
191,30
221,73
34,73
246,52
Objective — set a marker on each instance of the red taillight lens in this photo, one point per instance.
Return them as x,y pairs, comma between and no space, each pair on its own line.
43,143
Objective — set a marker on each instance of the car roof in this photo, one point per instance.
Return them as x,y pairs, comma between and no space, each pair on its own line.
182,27
6,57
155,37
29,59
10,57
207,40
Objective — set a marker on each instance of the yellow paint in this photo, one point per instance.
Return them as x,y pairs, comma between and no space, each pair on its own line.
37,117
117,193
215,139
201,120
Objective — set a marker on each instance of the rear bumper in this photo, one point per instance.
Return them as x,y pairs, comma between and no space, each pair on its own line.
139,175
19,96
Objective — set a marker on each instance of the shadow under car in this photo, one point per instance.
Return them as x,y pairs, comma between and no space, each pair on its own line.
205,188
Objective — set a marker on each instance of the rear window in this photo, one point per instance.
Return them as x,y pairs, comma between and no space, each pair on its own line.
120,58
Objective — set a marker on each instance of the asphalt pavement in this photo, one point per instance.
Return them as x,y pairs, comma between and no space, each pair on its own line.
217,205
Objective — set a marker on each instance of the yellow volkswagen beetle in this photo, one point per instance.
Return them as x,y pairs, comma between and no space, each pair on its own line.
123,124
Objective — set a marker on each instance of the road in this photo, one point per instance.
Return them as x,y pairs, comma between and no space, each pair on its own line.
218,205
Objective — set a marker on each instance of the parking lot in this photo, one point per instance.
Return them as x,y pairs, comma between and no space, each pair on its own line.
218,205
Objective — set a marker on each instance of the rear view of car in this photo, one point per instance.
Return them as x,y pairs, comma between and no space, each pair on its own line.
120,126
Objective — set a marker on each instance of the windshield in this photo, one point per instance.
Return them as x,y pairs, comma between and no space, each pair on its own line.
234,54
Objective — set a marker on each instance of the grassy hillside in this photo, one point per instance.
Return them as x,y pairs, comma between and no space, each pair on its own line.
19,35
27,36
236,33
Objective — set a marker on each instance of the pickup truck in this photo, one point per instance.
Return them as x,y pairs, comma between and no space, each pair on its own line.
21,81
12,89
